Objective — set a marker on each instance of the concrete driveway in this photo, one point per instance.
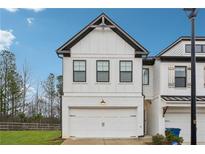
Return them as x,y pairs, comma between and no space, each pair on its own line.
75,141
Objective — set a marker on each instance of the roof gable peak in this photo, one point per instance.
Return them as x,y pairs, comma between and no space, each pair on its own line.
102,21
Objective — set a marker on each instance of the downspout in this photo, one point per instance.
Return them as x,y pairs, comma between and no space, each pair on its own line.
61,57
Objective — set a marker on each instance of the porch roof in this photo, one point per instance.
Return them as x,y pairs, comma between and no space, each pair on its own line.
176,98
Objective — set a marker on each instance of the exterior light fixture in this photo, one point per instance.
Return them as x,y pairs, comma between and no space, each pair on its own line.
102,102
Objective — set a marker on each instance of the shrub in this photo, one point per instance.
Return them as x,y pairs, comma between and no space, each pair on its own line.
22,116
158,139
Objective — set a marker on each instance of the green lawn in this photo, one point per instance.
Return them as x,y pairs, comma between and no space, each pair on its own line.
30,137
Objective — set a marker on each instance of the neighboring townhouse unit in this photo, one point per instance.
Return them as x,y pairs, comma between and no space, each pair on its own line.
167,96
102,82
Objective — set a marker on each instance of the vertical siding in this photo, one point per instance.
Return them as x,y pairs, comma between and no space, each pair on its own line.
103,45
103,42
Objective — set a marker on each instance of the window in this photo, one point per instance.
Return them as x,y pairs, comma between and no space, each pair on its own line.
180,76
199,48
79,71
125,71
102,71
145,76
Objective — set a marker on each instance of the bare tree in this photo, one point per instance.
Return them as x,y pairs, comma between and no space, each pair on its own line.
26,84
50,91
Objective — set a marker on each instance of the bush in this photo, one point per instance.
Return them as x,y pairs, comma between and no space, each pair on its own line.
158,139
22,116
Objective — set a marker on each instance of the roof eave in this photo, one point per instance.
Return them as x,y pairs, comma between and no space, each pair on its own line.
177,41
60,51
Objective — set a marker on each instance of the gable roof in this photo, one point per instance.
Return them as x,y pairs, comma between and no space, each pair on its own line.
65,48
182,38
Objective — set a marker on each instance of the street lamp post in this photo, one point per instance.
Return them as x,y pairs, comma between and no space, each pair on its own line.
191,13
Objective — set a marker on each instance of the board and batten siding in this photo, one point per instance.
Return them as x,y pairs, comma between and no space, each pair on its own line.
102,45
102,42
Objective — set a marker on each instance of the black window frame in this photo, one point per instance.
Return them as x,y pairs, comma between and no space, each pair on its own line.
201,45
126,71
185,67
79,71
143,76
102,71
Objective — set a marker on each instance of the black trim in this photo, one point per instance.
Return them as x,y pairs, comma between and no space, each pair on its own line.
66,54
126,71
185,67
165,110
117,29
180,59
138,55
143,76
79,71
148,61
102,71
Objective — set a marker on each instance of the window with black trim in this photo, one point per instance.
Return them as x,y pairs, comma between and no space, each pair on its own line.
145,76
180,76
102,71
79,71
125,71
199,48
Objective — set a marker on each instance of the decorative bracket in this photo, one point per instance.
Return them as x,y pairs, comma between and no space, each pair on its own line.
165,110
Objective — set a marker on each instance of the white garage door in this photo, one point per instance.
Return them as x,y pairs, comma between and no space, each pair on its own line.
182,121
103,122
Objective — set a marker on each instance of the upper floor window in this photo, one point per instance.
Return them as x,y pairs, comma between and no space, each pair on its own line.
145,76
180,76
199,48
79,71
125,71
103,71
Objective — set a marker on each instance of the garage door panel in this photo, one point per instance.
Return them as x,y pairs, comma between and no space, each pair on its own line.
183,121
103,122
201,127
174,120
82,126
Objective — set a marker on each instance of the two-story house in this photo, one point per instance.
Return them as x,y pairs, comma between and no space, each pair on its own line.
102,82
112,89
167,88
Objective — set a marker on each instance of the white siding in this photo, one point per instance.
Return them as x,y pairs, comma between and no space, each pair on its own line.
102,42
114,86
179,49
155,119
148,89
94,102
165,90
102,45
156,79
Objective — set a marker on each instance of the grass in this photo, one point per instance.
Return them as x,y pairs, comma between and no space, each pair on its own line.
30,138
